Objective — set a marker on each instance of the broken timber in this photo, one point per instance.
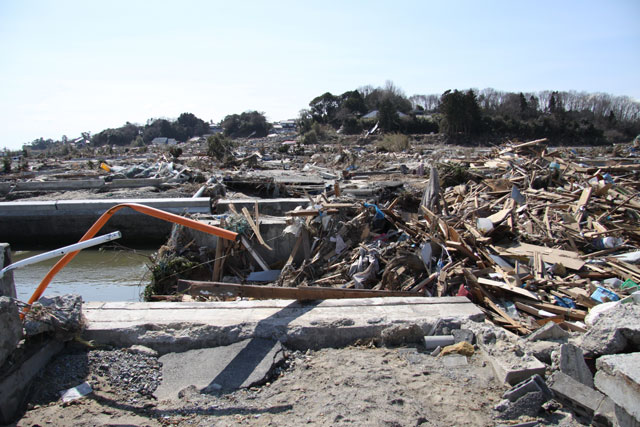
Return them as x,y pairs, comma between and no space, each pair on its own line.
306,293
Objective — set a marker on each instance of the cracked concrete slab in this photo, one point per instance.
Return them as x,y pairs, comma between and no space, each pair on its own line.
168,327
220,369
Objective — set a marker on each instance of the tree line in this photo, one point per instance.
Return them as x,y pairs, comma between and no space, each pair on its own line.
469,115
186,126
478,115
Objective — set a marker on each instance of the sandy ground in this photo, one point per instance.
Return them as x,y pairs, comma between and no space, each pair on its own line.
355,385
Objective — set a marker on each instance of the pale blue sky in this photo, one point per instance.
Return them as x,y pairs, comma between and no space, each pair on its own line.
73,66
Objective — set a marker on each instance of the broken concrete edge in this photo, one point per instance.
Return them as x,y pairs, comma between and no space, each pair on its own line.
618,377
11,326
16,386
7,284
46,328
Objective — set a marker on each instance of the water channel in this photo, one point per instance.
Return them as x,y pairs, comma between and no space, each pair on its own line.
95,275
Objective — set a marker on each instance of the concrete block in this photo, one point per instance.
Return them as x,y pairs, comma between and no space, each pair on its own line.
542,350
584,400
618,377
220,369
460,335
569,359
7,285
534,384
614,332
166,326
550,331
623,418
11,327
605,415
510,361
14,387
529,405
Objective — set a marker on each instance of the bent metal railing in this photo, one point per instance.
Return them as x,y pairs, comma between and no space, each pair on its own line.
157,213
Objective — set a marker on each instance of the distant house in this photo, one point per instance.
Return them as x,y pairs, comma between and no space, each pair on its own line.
163,140
81,142
373,115
288,124
213,129
284,126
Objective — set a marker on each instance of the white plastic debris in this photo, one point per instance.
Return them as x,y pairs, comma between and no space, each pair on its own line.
76,392
485,225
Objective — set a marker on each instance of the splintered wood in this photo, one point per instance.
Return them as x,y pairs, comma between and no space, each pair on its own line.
530,236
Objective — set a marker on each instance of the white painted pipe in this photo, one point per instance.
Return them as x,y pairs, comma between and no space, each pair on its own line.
199,192
62,251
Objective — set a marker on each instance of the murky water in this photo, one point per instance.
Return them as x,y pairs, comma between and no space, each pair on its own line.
108,275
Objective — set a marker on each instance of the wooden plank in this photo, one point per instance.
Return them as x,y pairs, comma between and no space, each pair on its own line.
339,205
568,259
500,216
296,247
472,281
506,287
580,208
255,228
275,292
310,212
571,313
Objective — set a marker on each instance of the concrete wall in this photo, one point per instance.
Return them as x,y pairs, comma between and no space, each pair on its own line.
78,184
271,230
53,224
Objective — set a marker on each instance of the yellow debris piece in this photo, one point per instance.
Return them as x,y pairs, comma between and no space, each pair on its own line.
462,347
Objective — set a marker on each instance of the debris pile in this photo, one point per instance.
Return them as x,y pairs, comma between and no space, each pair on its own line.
531,236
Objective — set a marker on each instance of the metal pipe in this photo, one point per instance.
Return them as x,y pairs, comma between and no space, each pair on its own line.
62,251
157,213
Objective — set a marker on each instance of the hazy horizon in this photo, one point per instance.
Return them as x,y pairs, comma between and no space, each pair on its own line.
71,66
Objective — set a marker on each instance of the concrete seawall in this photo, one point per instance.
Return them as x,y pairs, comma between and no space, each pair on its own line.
55,223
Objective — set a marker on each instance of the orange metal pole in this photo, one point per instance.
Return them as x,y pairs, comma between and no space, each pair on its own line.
157,213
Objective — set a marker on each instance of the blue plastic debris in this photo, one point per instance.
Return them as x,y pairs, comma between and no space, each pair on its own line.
608,178
565,302
603,295
379,213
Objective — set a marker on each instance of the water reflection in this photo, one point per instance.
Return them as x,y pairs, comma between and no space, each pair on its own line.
96,275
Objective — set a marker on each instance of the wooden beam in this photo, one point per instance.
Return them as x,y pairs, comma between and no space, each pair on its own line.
247,244
274,292
219,250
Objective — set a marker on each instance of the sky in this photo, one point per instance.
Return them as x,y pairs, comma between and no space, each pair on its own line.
72,66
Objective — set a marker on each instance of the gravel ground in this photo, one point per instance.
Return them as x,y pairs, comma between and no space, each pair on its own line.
355,385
